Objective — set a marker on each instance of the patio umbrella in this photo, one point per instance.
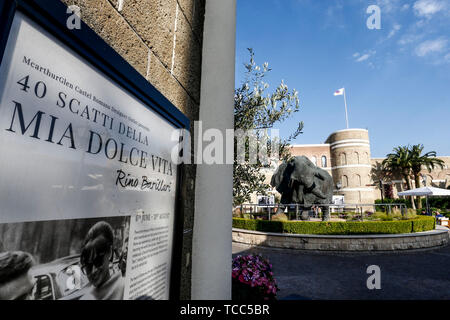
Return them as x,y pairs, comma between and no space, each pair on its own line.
426,191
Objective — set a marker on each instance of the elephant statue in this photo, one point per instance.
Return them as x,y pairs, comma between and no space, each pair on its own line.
300,181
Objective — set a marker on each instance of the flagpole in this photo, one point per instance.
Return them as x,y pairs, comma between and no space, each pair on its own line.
345,102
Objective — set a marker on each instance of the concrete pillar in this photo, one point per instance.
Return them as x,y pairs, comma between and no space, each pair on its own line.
211,252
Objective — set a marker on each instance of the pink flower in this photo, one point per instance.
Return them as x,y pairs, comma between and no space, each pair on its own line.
255,271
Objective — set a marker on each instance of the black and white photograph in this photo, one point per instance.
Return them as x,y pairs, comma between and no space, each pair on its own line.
81,259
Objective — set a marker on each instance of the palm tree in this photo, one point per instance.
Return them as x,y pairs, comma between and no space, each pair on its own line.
399,162
427,160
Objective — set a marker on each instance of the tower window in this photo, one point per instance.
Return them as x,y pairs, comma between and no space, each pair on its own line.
324,162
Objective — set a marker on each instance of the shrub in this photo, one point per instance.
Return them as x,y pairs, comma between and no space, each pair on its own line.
378,215
237,213
410,214
246,216
421,223
280,217
356,217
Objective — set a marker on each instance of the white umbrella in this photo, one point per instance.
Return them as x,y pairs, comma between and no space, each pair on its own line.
426,191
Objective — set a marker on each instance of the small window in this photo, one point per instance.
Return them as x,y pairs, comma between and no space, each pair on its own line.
358,180
344,181
343,159
314,160
324,162
357,157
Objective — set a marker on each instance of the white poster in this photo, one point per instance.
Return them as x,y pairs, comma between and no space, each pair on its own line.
81,159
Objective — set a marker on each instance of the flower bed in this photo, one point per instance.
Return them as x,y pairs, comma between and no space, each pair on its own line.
418,224
252,278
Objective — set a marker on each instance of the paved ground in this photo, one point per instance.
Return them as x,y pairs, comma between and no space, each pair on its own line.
314,275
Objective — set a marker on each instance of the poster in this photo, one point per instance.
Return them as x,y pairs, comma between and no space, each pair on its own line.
87,186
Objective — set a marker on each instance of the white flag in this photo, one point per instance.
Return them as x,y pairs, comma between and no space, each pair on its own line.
339,92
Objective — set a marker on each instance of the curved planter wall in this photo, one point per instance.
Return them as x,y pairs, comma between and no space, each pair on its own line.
390,242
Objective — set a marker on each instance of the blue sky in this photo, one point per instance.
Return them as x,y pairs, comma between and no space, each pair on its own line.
397,79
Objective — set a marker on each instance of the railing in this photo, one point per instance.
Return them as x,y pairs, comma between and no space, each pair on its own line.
305,212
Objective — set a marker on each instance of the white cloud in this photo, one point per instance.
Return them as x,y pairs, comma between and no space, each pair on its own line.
410,38
388,6
431,46
364,57
394,30
427,8
405,7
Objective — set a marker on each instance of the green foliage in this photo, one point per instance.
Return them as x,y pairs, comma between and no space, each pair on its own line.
254,109
442,203
335,228
399,162
280,217
408,161
389,201
423,224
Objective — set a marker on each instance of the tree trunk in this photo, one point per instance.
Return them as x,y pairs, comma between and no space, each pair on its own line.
419,201
408,185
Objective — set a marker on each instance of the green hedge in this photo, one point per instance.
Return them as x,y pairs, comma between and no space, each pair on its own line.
335,228
423,224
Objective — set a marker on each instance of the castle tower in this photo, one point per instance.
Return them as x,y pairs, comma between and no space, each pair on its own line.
351,166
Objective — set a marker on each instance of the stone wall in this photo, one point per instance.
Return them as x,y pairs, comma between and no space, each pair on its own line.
420,240
162,40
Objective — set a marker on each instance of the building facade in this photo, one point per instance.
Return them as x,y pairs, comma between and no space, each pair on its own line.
346,156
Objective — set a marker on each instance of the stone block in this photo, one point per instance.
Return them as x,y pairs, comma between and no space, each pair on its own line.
194,11
154,21
188,9
187,59
100,16
160,77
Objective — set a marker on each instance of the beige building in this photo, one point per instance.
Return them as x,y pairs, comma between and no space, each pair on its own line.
345,154
439,178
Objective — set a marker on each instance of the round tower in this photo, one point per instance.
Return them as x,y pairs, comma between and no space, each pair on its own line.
351,166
